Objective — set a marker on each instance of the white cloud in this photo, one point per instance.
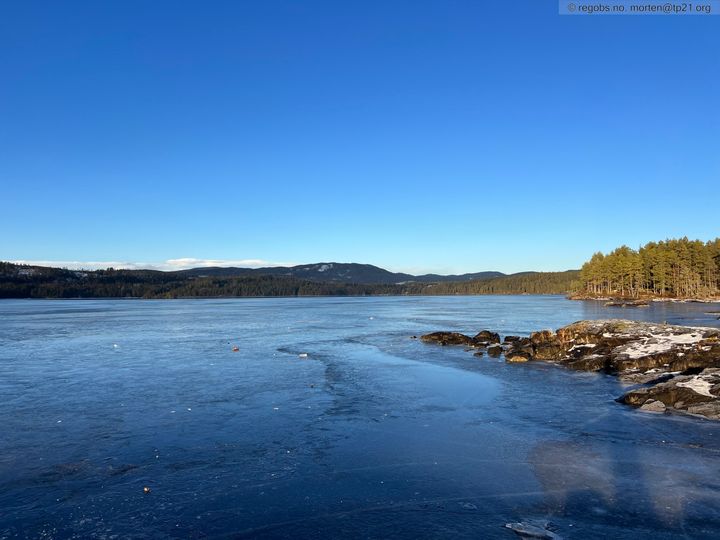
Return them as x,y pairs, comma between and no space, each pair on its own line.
170,264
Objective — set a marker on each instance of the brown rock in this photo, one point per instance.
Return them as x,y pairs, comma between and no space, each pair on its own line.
517,356
641,352
544,336
448,338
711,409
550,351
653,406
486,336
593,362
494,351
669,393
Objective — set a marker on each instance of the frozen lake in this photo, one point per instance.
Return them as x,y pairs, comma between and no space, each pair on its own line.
372,435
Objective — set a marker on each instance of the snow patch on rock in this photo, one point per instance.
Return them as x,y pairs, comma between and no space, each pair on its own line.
698,384
657,344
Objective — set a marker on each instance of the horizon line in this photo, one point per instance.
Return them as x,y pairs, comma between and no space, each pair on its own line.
190,263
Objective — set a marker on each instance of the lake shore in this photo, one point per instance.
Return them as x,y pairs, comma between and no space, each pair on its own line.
668,368
642,300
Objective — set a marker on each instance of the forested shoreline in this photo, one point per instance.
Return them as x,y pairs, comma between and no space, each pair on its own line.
669,269
21,281
674,268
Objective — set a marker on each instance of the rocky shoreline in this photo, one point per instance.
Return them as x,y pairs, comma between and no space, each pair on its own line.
670,368
643,300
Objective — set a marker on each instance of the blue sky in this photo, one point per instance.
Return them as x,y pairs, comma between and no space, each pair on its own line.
445,136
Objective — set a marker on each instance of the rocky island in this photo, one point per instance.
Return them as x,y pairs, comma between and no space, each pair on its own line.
668,368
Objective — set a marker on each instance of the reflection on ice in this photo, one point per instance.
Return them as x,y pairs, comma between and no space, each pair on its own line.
566,470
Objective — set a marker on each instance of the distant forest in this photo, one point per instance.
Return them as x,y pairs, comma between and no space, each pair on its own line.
20,281
674,268
679,268
523,283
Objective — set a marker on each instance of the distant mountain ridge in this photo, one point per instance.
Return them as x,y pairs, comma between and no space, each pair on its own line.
321,279
335,272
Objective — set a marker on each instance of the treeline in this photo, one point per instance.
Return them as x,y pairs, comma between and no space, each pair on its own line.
19,281
676,268
523,283
276,286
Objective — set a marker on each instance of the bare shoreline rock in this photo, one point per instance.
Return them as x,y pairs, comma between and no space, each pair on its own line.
481,339
677,366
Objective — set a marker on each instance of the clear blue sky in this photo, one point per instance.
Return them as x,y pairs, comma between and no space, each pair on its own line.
442,135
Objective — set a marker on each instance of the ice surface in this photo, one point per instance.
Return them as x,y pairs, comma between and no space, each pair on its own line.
378,433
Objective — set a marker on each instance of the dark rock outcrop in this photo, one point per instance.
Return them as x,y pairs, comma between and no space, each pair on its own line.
695,394
494,351
481,339
517,356
628,303
448,338
486,336
519,348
